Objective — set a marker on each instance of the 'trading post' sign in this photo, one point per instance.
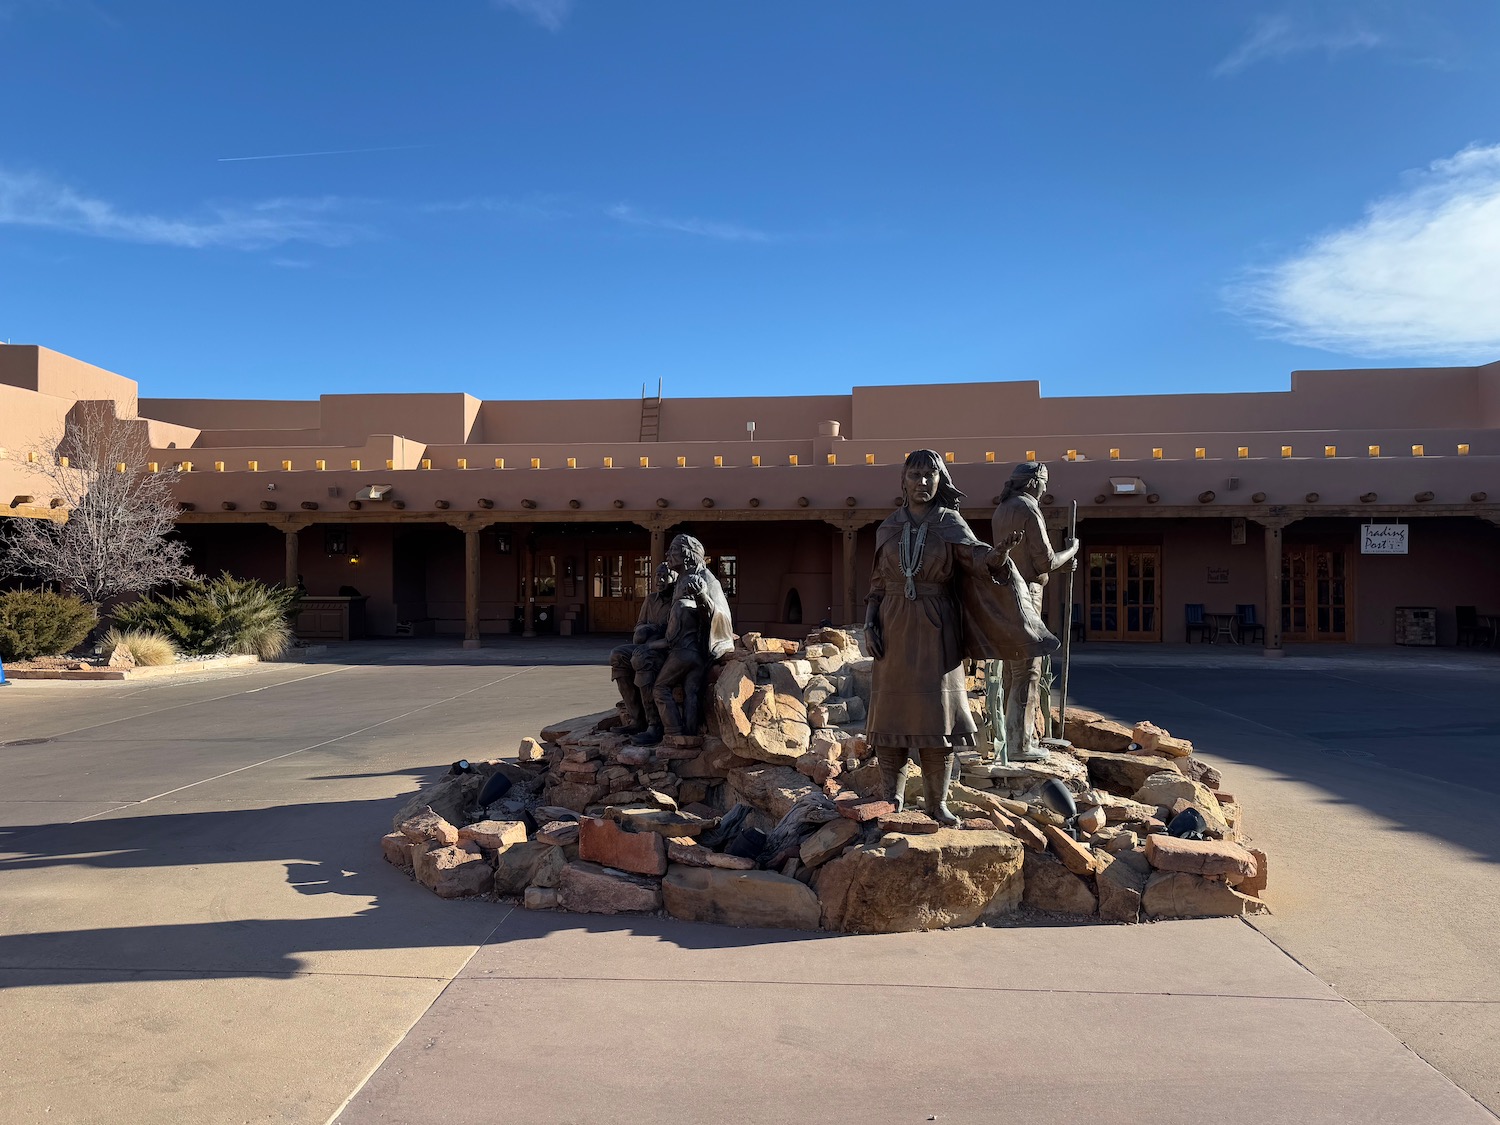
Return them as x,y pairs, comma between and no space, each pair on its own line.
1383,538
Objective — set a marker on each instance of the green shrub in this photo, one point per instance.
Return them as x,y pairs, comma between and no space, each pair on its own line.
41,623
223,614
146,648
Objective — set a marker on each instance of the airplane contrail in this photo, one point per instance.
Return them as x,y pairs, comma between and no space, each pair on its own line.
328,152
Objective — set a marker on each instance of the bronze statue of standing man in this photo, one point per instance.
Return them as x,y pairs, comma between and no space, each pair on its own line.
1021,678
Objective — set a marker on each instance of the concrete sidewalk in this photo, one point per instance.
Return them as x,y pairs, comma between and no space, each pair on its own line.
198,926
562,1019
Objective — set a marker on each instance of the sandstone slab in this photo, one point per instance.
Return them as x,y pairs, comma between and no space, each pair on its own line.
396,848
1120,886
428,827
863,809
540,898
559,832
573,796
739,898
1201,857
587,888
1052,887
1166,787
1178,894
772,789
1121,774
1076,857
904,883
687,851
1089,731
1256,883
1152,739
829,841
452,872
494,834
909,821
531,863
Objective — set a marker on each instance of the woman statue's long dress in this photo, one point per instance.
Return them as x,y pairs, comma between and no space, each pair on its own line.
938,595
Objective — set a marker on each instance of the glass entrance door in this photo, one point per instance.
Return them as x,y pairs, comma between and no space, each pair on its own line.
1124,593
1314,593
618,583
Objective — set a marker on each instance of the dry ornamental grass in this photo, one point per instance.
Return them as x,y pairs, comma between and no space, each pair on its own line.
147,648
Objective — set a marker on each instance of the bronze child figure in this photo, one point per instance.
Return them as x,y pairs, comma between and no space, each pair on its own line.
938,595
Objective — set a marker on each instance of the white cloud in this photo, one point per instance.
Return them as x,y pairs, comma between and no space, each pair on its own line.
551,14
703,228
1415,277
1276,37
531,207
31,200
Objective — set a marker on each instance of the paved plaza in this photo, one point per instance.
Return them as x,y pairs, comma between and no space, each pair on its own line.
197,924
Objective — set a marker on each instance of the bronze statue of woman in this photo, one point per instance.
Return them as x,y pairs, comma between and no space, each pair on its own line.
938,596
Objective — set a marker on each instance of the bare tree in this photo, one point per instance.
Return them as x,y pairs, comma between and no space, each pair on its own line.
117,538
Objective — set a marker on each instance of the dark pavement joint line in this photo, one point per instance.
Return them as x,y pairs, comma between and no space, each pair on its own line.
305,749
492,978
397,1040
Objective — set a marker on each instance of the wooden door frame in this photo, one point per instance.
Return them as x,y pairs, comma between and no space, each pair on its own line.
1121,551
630,555
1312,548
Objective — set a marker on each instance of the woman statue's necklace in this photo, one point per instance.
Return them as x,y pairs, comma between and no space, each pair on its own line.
912,539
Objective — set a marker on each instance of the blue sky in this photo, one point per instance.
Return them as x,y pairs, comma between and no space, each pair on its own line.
558,198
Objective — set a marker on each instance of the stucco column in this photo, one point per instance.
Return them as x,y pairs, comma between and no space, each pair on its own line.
1273,587
292,565
471,587
528,586
851,543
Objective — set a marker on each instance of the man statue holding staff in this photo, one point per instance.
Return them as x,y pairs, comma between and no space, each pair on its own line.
1021,679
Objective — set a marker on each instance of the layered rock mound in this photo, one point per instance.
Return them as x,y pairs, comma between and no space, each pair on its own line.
775,817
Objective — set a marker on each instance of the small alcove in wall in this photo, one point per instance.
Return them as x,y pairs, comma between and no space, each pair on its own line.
791,607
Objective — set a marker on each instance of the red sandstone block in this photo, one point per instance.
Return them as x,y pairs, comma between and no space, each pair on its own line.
863,809
607,843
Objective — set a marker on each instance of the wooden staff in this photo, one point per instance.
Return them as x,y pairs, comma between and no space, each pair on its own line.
1067,624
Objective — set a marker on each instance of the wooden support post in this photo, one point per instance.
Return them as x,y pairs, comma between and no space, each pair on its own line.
292,565
528,583
851,542
1273,589
658,548
471,587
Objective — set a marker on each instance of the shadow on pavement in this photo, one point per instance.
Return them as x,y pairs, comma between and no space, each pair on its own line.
326,848
1417,745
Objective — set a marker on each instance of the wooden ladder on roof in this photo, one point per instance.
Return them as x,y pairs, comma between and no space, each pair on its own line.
651,414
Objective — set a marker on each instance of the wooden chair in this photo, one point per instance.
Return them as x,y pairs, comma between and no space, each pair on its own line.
1250,628
1470,630
1195,620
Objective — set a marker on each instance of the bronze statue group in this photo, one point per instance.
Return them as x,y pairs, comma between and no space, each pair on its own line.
939,596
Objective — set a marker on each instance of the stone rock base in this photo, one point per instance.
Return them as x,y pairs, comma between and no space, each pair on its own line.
776,817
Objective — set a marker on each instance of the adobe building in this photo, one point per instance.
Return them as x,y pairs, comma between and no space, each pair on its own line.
1331,510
